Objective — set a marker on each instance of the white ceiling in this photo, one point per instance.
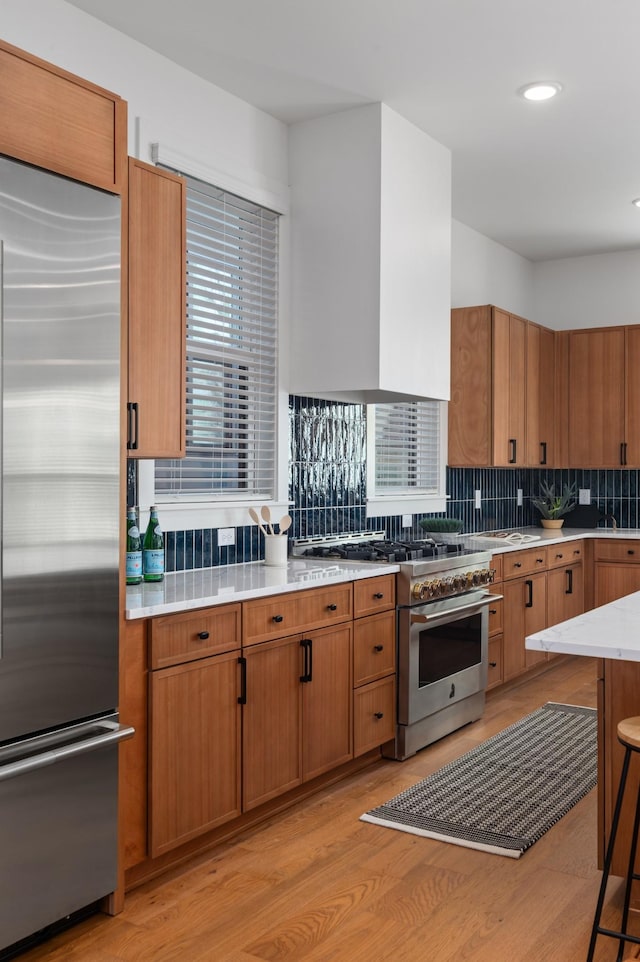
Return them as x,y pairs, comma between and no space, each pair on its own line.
546,180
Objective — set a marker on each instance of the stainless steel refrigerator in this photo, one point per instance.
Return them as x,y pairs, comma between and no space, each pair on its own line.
59,728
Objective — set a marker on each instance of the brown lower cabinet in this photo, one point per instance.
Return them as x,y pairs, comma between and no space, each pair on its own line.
195,749
297,718
525,612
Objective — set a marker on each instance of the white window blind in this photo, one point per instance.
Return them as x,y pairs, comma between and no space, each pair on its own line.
232,297
408,444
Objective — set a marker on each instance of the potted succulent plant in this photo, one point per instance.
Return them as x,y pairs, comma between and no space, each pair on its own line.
552,506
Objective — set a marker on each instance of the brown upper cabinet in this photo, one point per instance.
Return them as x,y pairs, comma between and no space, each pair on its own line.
157,312
604,397
502,390
57,121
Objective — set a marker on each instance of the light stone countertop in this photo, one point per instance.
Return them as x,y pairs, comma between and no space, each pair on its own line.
610,631
205,587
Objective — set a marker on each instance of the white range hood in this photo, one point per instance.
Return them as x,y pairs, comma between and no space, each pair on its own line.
371,258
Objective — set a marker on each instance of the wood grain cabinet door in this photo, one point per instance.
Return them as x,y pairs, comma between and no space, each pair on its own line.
272,720
157,311
328,701
509,388
194,749
596,398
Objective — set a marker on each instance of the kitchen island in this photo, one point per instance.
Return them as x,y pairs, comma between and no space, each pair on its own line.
609,633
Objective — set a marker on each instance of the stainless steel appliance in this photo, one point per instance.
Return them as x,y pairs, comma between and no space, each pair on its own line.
59,729
442,630
443,637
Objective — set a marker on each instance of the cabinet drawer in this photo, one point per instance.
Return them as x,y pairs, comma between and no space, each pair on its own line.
299,611
495,616
194,634
519,563
374,647
373,594
494,673
566,554
374,715
616,551
497,566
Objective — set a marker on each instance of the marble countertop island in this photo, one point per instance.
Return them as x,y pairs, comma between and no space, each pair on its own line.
610,631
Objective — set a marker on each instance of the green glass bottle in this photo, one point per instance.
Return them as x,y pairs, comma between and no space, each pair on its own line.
153,549
134,549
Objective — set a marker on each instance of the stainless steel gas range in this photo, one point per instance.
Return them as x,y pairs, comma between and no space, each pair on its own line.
442,630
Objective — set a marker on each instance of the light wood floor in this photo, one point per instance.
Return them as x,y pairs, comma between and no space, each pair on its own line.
317,884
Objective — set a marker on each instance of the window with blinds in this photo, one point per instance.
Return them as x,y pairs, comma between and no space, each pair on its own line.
406,464
232,345
407,439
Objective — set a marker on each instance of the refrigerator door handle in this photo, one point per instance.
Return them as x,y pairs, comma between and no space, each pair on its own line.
112,734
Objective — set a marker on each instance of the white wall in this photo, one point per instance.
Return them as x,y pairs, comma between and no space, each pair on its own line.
596,291
484,272
167,104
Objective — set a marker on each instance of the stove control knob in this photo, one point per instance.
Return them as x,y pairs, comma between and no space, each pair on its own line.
419,590
448,586
434,588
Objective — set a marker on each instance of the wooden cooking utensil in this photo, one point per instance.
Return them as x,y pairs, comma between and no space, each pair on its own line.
255,517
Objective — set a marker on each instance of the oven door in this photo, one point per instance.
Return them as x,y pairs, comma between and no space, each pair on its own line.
442,654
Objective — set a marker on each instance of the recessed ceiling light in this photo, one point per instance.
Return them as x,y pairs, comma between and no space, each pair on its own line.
636,202
542,90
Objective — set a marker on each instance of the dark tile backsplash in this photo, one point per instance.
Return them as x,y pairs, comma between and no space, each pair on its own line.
327,488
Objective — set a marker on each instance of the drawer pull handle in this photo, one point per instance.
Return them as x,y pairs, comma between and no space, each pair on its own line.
518,564
539,561
493,664
277,619
493,611
378,647
630,551
203,635
559,556
378,714
332,607
378,595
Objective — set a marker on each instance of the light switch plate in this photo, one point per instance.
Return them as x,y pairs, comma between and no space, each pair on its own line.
584,496
407,520
226,537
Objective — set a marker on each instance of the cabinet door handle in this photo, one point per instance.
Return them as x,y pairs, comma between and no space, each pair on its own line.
378,647
493,664
569,588
513,446
378,596
332,607
307,671
493,611
277,619
623,453
529,601
378,714
242,700
203,635
543,452
132,425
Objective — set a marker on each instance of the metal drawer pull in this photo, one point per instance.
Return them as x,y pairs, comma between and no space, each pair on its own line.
493,611
539,561
518,564
493,664
332,607
529,602
378,647
277,619
378,714
378,595
630,551
203,635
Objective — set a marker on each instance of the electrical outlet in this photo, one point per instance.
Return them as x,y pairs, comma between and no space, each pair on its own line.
226,537
519,497
478,499
584,496
407,520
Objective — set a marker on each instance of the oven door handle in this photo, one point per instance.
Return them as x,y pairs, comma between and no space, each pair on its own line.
475,606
